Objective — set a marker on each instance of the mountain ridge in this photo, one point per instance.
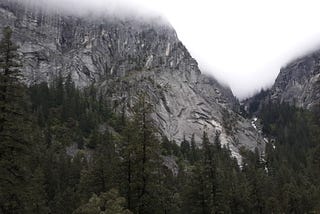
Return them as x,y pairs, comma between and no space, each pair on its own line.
123,58
297,84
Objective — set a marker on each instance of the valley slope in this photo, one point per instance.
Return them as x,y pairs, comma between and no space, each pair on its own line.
125,57
299,82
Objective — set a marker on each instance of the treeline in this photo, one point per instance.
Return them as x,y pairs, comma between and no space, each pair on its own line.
293,158
65,150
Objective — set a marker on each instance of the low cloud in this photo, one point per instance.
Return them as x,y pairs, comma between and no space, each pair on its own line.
241,43
118,8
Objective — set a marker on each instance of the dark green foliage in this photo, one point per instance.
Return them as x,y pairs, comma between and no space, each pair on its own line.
170,147
16,143
256,100
228,121
63,150
185,149
75,120
283,180
289,158
213,185
144,178
12,147
208,180
106,203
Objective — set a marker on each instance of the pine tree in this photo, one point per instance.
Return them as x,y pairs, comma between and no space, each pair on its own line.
14,144
106,203
99,175
194,150
185,148
209,166
36,198
140,154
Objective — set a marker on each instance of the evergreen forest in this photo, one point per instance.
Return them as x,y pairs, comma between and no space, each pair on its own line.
65,150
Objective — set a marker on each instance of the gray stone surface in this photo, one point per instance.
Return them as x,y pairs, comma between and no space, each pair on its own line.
299,82
125,57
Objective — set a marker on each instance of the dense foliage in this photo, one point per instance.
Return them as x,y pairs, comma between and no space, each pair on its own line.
65,150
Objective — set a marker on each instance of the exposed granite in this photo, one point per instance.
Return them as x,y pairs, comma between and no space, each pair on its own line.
124,57
299,82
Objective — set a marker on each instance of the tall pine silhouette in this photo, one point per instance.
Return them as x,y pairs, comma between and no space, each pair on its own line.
13,139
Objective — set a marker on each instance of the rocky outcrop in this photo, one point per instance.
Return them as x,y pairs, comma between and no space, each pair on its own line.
299,82
123,57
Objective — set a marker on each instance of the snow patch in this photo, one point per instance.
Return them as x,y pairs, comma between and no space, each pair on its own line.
112,70
149,61
253,123
217,125
168,49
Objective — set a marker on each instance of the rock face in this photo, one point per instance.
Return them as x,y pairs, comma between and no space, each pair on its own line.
125,57
299,82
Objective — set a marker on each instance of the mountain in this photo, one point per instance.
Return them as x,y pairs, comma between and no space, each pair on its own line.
83,135
299,82
124,57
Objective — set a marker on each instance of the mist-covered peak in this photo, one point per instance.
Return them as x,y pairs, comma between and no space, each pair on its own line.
124,57
97,9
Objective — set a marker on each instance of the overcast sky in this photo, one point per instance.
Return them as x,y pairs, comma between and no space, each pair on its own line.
243,43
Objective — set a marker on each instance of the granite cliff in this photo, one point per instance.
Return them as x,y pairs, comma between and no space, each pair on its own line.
299,82
124,57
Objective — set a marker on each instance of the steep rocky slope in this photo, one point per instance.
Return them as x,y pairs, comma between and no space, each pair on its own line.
299,82
124,57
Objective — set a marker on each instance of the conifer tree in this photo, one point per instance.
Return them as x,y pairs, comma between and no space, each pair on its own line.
140,157
194,150
106,203
14,144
